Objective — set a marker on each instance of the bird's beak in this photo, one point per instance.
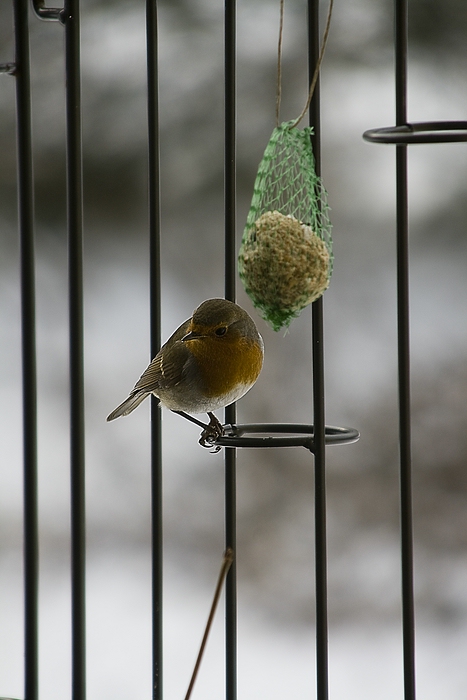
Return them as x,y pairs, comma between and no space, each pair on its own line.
190,336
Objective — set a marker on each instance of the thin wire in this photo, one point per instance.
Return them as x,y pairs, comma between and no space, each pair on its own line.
226,564
317,68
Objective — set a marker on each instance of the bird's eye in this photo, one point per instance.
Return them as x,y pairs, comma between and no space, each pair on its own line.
221,331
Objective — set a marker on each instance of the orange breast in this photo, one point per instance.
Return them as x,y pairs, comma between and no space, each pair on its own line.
226,365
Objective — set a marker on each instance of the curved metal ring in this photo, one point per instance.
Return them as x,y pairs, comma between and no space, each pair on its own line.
48,14
290,435
419,132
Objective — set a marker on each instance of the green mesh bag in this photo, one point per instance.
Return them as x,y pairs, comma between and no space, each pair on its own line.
285,260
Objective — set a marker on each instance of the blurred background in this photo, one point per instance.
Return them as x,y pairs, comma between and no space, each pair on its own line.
275,489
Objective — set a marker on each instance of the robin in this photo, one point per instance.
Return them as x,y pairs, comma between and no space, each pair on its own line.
210,361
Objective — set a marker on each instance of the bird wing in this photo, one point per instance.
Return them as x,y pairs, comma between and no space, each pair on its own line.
168,368
129,405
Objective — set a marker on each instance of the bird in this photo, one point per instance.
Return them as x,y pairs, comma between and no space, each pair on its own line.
209,362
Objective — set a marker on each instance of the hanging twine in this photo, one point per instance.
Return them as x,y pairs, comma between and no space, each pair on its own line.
314,80
279,64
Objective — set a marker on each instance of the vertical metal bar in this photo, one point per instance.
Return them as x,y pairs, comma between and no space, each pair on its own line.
320,504
318,398
230,293
408,624
230,136
231,580
155,323
75,293
28,325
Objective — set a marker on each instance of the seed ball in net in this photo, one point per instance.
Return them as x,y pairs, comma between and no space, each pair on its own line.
284,267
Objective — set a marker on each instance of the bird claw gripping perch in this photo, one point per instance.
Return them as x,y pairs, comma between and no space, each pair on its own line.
211,432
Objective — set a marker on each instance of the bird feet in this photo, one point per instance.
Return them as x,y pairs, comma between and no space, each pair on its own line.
211,432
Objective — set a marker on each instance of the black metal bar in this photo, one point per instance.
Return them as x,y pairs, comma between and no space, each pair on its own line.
48,14
155,324
400,46
28,326
320,504
230,136
71,21
230,457
408,625
231,579
322,683
419,132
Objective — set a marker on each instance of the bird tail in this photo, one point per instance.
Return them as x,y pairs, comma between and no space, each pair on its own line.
129,405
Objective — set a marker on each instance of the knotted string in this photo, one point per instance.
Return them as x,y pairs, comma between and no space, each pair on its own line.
316,71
